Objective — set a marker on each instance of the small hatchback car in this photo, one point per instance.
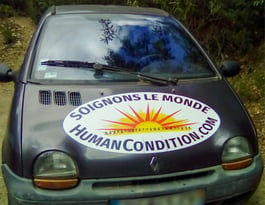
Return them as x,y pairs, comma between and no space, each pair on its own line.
118,105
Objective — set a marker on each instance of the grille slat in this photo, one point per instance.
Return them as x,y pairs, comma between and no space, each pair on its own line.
137,183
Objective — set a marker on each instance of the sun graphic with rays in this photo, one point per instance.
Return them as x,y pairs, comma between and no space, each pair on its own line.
147,121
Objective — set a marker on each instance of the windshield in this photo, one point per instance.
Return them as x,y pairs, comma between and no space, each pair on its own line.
133,43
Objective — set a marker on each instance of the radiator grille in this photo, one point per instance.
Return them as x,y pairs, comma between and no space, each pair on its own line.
137,183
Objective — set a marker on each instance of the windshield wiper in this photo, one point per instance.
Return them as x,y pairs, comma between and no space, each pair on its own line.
67,63
98,67
153,79
81,64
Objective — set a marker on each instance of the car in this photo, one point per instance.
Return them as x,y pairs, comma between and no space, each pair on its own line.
121,105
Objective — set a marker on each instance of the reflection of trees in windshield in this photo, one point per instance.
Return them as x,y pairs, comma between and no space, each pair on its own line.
150,43
140,45
108,30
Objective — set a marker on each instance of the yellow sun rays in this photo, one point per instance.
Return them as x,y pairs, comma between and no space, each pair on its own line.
149,120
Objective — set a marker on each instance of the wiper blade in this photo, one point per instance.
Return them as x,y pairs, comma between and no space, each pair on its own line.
98,67
68,63
163,81
82,64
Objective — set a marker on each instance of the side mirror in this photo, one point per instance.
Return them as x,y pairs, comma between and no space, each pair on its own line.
230,68
6,74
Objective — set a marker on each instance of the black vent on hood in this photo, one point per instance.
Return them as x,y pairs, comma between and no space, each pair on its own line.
74,98
60,98
45,97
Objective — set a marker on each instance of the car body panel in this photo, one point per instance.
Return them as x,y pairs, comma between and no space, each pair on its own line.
46,131
11,149
217,183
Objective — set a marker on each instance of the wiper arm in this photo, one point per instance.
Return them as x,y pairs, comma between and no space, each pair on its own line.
81,64
98,67
163,81
68,63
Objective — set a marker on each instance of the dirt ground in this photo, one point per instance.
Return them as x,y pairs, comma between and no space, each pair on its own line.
13,56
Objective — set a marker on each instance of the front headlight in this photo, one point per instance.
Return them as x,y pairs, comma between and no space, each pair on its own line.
236,154
55,170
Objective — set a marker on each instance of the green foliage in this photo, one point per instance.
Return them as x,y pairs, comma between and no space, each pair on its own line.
16,4
223,27
35,8
259,3
132,3
249,84
6,11
9,31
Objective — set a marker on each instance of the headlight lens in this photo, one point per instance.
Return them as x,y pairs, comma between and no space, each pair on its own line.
55,170
236,153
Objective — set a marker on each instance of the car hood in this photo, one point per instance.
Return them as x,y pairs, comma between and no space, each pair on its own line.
118,131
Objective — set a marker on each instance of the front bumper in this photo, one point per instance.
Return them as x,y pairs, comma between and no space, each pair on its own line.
217,183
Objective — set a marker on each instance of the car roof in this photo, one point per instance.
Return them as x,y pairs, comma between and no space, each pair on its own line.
92,8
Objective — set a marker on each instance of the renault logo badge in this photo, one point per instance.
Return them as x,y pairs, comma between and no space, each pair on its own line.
154,164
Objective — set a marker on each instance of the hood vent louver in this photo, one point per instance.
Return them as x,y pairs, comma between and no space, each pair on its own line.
75,98
60,98
45,97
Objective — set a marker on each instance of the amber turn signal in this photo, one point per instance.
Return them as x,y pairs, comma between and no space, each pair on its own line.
237,165
55,183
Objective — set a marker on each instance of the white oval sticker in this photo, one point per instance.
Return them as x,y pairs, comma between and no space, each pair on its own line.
144,122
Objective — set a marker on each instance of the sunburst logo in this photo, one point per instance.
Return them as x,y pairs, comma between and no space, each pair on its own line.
146,121
142,123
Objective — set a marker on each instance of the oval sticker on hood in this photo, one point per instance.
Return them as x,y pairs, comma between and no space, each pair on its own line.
147,122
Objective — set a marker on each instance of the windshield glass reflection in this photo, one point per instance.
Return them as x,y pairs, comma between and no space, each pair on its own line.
154,46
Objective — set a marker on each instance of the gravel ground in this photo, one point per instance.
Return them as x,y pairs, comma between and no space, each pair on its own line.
13,55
